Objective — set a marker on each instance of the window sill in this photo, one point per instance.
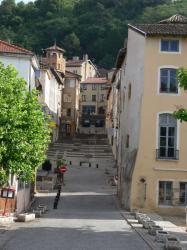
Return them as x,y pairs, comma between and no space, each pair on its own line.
166,206
166,159
170,52
168,94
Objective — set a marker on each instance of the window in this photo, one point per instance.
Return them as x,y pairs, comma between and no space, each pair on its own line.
183,193
165,193
103,86
167,137
101,111
127,141
169,45
168,81
83,98
102,97
69,83
67,98
64,112
54,55
84,86
59,66
129,92
94,86
75,71
93,98
88,109
68,112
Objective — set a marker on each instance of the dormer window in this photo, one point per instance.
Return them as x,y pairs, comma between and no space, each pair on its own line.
168,45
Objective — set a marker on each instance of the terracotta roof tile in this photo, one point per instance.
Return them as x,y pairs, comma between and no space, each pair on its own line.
161,29
175,25
71,63
10,48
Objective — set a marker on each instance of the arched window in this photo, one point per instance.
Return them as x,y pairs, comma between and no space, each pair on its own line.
167,137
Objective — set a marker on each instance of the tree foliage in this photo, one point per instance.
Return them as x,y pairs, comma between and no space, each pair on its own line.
24,133
94,27
181,113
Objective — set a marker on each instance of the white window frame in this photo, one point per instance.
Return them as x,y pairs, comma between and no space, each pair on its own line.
170,52
157,192
181,181
157,133
158,81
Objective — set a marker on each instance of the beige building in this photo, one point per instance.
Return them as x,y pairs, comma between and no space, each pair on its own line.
70,104
54,58
152,156
93,104
83,67
113,104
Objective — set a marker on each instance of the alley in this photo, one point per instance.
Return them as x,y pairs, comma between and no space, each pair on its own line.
87,218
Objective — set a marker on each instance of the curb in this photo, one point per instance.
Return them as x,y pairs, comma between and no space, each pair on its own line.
143,235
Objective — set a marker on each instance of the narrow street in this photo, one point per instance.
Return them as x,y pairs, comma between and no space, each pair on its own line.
87,218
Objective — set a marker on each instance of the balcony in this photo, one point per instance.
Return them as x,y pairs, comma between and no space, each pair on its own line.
167,154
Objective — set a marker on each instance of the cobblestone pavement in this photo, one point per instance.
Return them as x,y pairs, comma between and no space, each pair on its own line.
86,219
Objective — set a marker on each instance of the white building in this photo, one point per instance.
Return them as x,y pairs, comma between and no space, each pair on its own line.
50,97
27,66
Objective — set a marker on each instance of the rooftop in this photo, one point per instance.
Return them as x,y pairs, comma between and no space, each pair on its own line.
71,74
55,47
174,25
6,47
74,62
95,80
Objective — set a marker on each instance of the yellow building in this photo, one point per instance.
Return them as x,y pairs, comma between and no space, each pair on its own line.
152,148
70,104
93,105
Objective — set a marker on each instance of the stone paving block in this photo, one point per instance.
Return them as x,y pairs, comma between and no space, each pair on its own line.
38,213
143,218
172,243
161,235
148,223
152,229
6,220
25,217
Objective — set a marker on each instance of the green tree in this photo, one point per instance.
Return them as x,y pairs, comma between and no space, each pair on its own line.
24,132
72,44
181,113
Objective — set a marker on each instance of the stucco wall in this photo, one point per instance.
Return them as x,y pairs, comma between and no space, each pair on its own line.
130,107
22,64
153,103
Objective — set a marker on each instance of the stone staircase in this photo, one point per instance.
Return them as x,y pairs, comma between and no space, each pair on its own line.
82,151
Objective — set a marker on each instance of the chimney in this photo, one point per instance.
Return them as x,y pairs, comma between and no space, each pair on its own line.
85,57
75,58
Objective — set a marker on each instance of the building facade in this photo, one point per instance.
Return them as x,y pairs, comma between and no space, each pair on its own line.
50,85
93,105
70,104
83,67
152,167
28,67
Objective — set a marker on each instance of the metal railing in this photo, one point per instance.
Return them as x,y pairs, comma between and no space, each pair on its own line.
173,155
